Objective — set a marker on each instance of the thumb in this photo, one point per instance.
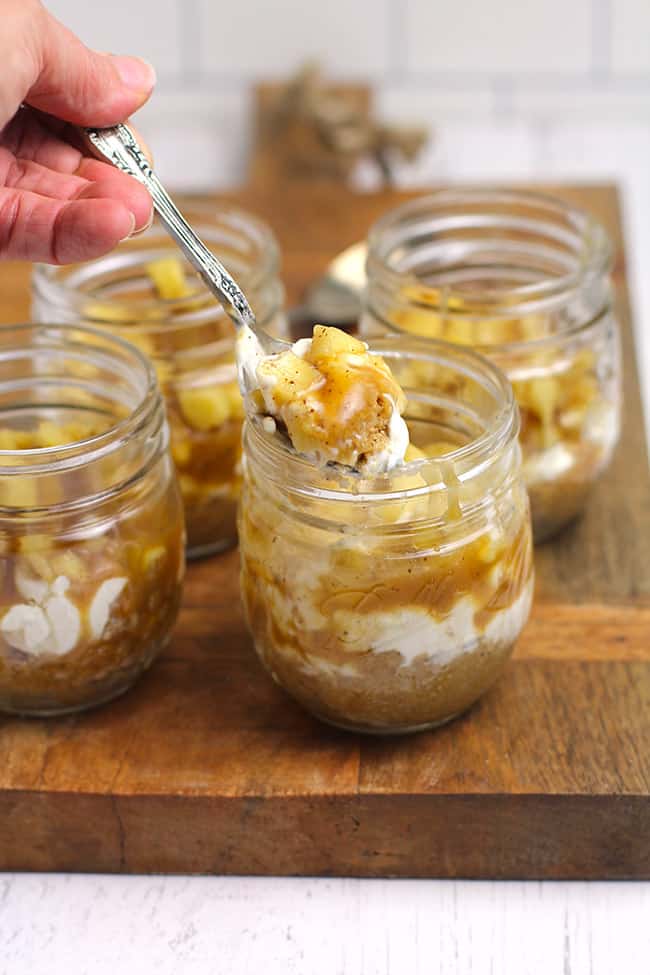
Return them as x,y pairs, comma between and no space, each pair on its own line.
81,86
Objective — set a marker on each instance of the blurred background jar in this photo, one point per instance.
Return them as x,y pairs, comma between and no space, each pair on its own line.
146,292
389,604
91,520
524,279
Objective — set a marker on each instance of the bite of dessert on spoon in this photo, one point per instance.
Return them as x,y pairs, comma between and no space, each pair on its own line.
335,401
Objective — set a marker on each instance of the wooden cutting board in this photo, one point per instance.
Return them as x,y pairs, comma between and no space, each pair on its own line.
207,767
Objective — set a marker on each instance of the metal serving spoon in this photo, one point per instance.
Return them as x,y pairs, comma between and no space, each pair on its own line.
119,146
335,298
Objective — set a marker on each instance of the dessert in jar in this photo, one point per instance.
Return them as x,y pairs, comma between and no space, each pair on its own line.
385,536
525,280
91,520
147,293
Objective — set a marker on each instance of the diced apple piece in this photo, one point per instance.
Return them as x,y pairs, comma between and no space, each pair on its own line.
414,453
168,278
8,440
181,448
543,397
204,408
534,326
164,372
50,434
35,543
235,402
328,343
419,321
18,492
349,557
190,487
288,376
438,448
460,331
490,547
68,563
40,565
143,342
152,558
96,311
257,401
421,295
303,432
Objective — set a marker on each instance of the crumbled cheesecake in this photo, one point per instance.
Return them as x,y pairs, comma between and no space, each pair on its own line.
335,400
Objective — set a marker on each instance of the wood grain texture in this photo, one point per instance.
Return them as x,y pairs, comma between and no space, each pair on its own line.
208,767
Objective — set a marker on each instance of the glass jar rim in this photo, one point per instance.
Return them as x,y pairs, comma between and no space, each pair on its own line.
304,477
592,249
160,313
67,457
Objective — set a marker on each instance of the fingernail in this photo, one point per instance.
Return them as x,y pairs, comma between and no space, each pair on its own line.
130,233
135,73
146,226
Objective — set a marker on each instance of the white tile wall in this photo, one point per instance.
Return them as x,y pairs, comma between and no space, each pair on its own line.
149,28
199,137
503,37
631,37
554,102
412,102
449,58
254,38
492,151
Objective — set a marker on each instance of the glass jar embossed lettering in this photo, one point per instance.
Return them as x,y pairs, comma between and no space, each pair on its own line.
91,521
524,279
390,604
147,293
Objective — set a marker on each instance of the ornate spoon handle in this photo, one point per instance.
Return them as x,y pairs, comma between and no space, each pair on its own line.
120,147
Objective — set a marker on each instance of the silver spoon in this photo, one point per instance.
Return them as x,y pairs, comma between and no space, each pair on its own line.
335,298
119,146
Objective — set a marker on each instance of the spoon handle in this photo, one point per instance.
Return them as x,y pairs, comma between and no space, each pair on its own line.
119,146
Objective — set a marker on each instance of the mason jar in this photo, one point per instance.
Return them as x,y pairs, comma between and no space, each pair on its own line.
524,279
389,604
146,292
91,521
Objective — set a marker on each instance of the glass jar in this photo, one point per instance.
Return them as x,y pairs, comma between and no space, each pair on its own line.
525,280
91,522
390,604
190,340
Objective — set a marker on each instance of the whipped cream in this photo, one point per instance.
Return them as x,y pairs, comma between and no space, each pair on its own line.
51,624
414,633
410,631
48,622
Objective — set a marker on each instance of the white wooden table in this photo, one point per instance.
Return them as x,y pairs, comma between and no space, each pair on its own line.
91,925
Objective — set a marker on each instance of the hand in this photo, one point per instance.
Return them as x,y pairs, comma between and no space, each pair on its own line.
56,204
